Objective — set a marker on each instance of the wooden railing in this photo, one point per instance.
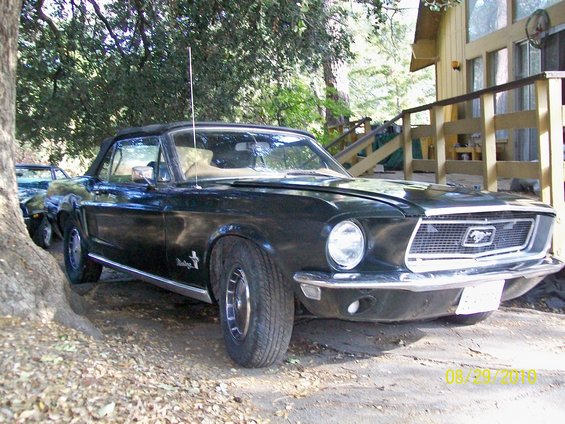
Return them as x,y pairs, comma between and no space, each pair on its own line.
348,134
360,165
547,118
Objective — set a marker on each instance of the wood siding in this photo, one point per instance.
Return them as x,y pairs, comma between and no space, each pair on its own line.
452,45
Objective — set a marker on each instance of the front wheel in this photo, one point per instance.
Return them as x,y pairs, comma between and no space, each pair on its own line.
256,304
43,235
78,267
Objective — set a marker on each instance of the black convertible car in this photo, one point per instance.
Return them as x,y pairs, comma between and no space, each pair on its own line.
33,181
263,220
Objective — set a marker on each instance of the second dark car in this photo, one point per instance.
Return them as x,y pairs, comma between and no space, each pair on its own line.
33,181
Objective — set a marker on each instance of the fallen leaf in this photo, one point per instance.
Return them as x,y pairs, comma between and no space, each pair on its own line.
107,409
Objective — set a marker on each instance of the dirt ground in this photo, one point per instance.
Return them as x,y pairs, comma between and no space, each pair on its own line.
364,373
162,359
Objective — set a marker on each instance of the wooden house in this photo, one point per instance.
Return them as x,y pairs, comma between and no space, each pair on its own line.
485,43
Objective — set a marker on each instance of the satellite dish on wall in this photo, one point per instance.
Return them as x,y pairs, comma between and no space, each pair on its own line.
536,28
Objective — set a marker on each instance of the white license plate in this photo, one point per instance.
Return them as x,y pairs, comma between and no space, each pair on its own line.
481,298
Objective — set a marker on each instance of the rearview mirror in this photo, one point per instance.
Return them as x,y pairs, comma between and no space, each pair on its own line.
248,146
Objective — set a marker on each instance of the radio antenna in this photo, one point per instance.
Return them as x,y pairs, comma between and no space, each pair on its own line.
192,110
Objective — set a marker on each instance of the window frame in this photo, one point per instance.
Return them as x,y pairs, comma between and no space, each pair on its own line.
161,158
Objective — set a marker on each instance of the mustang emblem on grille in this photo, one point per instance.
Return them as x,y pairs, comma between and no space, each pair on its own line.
479,236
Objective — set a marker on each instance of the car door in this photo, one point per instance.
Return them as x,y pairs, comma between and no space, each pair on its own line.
125,216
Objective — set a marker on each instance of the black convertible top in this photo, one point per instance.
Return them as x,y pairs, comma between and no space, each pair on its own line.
158,129
34,166
161,128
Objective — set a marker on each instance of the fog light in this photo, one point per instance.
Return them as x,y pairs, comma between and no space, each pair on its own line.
311,292
353,308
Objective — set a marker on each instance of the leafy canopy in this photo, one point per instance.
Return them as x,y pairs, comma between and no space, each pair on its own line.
87,68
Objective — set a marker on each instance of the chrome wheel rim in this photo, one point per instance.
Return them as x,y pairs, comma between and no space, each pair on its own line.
238,305
74,249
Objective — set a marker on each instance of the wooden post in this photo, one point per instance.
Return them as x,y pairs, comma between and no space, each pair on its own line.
488,148
367,125
367,130
550,121
407,144
542,102
438,119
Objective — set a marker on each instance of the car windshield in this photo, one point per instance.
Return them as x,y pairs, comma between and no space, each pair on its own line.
33,178
228,153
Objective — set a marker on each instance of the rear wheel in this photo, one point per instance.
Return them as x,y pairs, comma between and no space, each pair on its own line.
256,304
78,267
469,319
43,235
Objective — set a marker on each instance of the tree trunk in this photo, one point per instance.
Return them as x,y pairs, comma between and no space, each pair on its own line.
31,282
336,91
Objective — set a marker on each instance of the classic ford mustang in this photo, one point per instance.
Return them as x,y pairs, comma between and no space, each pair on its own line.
262,220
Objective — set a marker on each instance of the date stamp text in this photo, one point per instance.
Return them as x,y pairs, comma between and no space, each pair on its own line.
486,376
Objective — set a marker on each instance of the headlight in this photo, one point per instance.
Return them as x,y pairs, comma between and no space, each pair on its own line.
346,245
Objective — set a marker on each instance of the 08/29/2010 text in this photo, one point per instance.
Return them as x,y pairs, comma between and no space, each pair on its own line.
485,376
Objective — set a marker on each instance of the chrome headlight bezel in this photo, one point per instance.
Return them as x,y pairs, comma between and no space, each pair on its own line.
346,245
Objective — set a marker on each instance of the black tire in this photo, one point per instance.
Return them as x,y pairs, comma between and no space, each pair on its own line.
43,234
256,303
78,267
468,319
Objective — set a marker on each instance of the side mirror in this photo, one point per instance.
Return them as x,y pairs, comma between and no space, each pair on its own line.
143,174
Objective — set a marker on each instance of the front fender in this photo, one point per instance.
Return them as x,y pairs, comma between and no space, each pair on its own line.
246,231
64,199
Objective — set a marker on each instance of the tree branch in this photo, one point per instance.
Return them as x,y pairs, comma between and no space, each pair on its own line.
47,19
106,23
142,23
57,34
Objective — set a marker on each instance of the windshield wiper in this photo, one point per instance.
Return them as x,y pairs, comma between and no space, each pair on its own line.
317,173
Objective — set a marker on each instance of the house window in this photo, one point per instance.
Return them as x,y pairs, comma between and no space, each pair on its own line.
527,63
524,8
484,17
498,63
553,52
476,82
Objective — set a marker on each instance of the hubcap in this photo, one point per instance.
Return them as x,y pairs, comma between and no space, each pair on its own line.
238,307
74,249
47,234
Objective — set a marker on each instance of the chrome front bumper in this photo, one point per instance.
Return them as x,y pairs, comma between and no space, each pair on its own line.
429,281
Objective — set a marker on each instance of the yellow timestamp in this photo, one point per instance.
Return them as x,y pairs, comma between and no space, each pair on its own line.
486,376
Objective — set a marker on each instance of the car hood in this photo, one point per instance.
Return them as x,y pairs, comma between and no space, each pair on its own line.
25,194
412,198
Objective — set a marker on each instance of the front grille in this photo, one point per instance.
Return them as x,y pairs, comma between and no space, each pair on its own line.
471,236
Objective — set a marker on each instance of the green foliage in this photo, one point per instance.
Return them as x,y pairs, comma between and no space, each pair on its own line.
86,69
381,84
439,5
294,104
89,67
